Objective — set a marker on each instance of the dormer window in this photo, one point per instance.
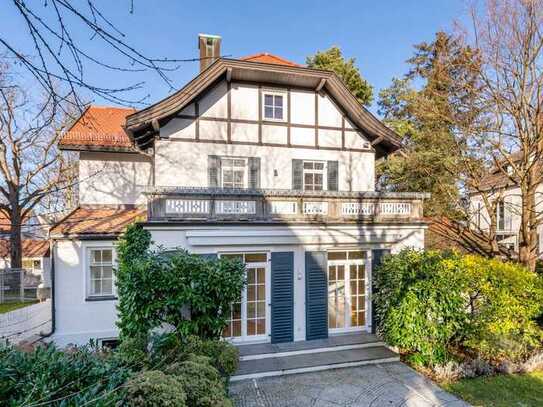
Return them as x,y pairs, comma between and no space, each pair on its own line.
274,106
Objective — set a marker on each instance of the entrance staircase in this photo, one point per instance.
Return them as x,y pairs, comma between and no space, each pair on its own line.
355,349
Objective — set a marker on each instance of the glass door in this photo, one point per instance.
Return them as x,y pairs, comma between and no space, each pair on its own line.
249,318
347,290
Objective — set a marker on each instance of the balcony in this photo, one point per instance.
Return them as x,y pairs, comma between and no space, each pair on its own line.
176,204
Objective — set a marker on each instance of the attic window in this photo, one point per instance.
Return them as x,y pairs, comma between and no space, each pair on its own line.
274,106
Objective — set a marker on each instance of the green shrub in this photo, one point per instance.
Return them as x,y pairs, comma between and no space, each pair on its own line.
428,303
417,306
201,382
503,301
133,352
156,287
224,356
154,388
47,375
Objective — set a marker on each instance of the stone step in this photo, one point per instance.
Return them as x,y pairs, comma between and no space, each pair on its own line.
336,342
310,362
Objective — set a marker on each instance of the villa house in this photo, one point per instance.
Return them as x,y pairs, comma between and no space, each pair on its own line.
257,158
504,191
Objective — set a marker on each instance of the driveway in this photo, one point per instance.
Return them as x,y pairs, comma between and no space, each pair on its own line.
390,384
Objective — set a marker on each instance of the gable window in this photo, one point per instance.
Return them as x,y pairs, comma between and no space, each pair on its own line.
314,175
100,272
233,172
274,106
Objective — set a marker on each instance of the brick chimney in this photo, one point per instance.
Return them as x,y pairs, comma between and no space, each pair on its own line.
210,49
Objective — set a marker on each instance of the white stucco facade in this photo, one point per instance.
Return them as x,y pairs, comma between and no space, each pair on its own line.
113,178
79,320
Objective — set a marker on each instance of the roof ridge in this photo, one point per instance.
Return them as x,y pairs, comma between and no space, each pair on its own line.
110,107
269,55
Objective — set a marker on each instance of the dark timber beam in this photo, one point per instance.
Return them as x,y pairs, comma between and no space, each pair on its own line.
377,141
320,85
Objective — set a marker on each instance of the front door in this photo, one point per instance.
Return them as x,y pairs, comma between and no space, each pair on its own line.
250,318
347,290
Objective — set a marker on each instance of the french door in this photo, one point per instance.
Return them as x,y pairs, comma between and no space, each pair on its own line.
250,318
347,290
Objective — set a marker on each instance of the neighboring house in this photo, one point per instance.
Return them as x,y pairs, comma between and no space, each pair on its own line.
36,256
257,158
498,186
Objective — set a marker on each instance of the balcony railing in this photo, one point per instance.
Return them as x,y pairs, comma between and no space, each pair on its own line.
272,205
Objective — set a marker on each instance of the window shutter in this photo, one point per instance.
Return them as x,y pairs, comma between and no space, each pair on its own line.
332,175
316,296
213,168
209,256
254,172
282,297
297,174
376,261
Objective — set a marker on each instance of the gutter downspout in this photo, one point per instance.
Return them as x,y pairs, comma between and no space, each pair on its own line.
53,324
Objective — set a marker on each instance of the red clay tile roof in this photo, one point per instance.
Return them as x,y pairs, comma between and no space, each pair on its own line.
98,127
5,223
97,221
269,59
31,248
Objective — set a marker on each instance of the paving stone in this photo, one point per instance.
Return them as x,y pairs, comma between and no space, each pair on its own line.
385,385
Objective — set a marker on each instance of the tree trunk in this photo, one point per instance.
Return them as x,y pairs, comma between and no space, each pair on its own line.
528,224
16,247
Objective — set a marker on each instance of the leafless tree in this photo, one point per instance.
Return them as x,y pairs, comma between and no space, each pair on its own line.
31,166
509,37
58,58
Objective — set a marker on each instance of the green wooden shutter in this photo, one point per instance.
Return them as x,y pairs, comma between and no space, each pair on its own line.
282,297
254,172
376,261
213,170
332,175
316,296
297,174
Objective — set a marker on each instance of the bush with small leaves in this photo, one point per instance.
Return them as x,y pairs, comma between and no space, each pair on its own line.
224,356
201,382
154,388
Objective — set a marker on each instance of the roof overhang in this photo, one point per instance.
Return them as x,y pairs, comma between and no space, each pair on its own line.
142,125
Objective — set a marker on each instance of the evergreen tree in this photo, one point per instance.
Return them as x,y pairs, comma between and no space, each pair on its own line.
333,60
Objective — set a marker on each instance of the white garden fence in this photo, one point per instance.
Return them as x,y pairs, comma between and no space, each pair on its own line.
25,323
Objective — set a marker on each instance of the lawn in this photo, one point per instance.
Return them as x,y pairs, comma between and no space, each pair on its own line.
502,390
10,306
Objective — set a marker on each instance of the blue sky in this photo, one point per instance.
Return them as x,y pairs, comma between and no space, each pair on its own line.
379,34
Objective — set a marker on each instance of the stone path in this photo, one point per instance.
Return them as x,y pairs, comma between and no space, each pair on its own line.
389,384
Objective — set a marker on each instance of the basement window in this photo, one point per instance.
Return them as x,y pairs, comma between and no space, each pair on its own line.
274,106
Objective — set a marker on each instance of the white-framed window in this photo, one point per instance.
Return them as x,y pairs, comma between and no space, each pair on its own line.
274,105
100,272
234,172
33,265
314,175
249,318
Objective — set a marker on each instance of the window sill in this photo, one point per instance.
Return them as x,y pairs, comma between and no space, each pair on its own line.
102,298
